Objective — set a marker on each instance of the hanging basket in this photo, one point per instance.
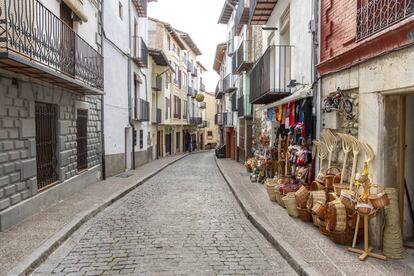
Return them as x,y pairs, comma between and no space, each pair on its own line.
379,201
290,202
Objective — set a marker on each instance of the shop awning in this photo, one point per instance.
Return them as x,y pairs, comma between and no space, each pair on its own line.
302,93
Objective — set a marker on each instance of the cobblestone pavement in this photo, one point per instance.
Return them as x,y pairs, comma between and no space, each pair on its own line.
183,221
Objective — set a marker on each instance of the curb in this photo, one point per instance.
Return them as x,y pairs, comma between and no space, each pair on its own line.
29,264
290,254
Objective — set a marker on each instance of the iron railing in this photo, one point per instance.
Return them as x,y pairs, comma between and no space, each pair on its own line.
240,106
190,66
157,83
218,119
139,51
243,59
141,7
46,116
228,119
242,15
30,30
376,15
228,83
142,110
271,75
196,121
190,91
219,89
82,138
157,116
233,100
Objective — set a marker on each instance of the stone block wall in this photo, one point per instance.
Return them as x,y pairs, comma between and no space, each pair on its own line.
18,136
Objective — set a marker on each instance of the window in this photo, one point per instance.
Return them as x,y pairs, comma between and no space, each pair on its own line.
149,139
141,138
185,109
177,141
82,139
136,97
177,107
167,104
46,144
185,82
209,135
120,10
167,80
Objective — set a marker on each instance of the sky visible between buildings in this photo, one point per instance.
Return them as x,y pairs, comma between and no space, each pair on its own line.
199,19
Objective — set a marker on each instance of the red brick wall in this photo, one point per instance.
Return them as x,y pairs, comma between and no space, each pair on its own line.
339,48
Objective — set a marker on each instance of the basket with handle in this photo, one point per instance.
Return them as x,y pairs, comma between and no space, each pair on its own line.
301,196
322,227
317,186
330,175
379,200
336,217
304,214
347,198
319,209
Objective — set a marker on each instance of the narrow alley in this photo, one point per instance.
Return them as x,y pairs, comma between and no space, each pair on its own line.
183,221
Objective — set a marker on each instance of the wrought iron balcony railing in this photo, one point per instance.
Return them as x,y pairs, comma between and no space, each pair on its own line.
196,121
376,15
228,119
157,83
139,51
271,75
219,89
35,42
204,124
243,59
228,83
242,15
141,7
240,106
157,116
218,119
142,108
190,66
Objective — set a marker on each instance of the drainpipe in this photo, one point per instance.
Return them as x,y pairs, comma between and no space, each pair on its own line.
102,106
129,85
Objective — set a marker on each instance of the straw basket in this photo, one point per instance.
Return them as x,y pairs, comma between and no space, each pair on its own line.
331,197
301,196
278,197
319,209
364,208
290,202
339,187
315,220
330,175
270,188
316,196
317,186
347,198
344,238
336,218
304,214
379,201
322,227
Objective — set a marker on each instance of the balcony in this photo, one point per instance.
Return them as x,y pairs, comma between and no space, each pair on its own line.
230,45
260,11
242,15
156,117
196,121
228,119
218,119
141,7
204,124
271,75
228,83
194,72
190,91
156,83
233,100
219,89
36,43
195,93
190,66
240,106
141,110
376,15
243,59
139,52
202,105
202,87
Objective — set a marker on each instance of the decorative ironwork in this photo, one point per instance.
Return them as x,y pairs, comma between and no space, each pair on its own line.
46,144
196,120
270,77
219,89
30,30
82,138
376,15
243,59
228,83
228,119
140,51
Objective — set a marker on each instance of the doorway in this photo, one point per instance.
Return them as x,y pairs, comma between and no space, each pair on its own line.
159,144
168,144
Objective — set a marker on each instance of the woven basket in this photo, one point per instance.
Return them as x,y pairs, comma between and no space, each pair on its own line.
330,176
304,214
344,238
270,188
336,218
319,209
317,186
379,201
322,227
339,187
301,196
290,202
364,208
331,197
278,198
347,198
317,196
315,220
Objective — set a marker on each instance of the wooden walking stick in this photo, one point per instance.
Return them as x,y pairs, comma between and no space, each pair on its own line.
346,148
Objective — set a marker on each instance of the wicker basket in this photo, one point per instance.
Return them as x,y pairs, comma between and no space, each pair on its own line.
379,201
315,220
322,227
346,237
317,196
319,209
317,186
301,196
339,187
290,202
336,217
347,198
364,208
278,198
331,197
330,176
304,214
270,188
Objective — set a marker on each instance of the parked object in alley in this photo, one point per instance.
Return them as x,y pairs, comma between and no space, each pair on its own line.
221,151
338,102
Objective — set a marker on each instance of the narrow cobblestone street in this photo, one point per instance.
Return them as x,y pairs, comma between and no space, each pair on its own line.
183,221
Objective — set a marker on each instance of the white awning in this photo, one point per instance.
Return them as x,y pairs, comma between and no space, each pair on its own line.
302,93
